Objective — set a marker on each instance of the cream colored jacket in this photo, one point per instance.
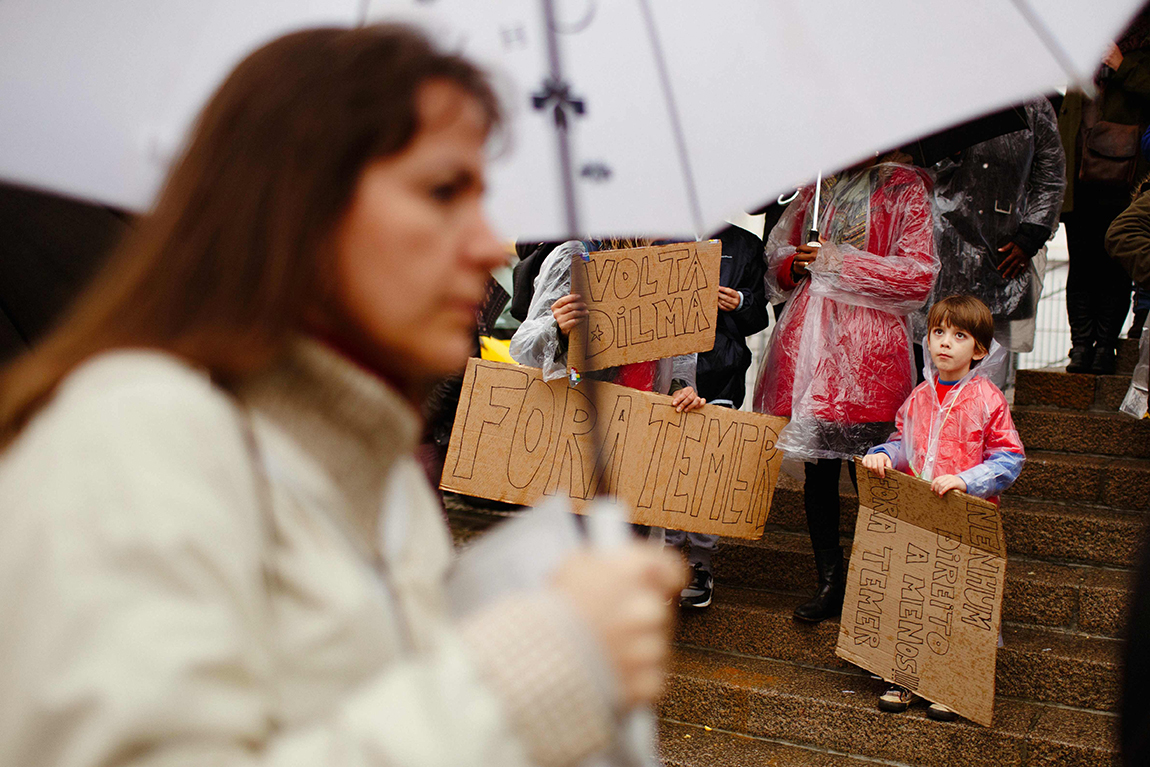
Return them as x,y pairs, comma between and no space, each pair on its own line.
173,595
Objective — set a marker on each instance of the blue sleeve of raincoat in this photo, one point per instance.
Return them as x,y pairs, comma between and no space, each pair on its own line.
895,451
994,475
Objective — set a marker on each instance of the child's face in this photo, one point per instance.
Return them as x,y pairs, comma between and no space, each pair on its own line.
952,350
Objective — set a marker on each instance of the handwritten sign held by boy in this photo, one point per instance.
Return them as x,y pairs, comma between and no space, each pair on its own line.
518,438
924,591
646,304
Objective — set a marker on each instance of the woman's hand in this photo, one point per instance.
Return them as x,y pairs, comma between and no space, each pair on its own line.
686,399
1015,261
947,482
568,312
1113,57
729,299
623,596
878,463
804,256
830,259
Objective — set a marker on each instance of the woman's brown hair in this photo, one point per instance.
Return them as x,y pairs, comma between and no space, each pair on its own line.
221,271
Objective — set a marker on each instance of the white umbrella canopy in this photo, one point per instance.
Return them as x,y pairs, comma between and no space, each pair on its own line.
693,110
97,96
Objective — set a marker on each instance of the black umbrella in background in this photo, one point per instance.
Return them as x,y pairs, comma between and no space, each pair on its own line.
938,146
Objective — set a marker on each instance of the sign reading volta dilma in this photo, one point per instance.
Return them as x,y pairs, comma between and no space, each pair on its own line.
518,438
924,591
646,304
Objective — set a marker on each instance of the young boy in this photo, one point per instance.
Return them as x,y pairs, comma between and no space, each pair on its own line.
955,428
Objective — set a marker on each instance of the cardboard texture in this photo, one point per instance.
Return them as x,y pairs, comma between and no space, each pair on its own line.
646,304
924,591
517,438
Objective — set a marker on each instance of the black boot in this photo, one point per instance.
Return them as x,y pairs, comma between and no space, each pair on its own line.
1081,359
828,600
1112,317
1080,313
1105,361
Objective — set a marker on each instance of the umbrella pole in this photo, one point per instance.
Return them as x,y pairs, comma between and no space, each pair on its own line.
813,235
557,93
635,740
557,90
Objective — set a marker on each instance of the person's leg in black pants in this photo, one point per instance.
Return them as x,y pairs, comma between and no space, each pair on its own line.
1113,305
1097,288
1081,286
821,501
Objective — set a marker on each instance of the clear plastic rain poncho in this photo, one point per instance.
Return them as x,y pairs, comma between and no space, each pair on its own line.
839,363
969,433
1135,402
538,342
1009,188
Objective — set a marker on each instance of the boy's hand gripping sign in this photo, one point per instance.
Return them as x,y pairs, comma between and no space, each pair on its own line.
518,438
924,591
646,304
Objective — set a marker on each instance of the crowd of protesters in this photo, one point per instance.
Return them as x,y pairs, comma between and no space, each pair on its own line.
217,544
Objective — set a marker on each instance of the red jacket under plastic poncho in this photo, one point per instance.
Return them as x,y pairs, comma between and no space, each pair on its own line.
839,362
969,433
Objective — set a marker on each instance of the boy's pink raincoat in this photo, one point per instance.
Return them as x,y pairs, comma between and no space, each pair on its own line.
970,433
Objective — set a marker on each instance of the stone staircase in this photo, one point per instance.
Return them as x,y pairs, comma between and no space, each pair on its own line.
748,685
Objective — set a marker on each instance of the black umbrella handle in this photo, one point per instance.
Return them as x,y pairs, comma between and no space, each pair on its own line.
813,237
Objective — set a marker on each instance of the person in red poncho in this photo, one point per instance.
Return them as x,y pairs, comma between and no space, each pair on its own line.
839,363
955,428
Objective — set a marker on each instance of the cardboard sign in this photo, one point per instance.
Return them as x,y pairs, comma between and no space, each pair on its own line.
646,304
518,438
924,591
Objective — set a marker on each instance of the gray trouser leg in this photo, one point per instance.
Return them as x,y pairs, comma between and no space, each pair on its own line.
700,549
700,546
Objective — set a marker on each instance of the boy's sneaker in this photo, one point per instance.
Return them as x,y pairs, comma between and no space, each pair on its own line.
940,713
698,594
896,700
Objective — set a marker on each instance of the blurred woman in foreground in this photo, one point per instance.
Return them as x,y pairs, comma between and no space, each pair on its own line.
215,547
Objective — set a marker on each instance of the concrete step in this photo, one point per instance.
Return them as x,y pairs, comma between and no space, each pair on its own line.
1073,597
467,520
1089,600
1070,391
1120,483
1040,529
1092,432
1037,664
1067,478
692,745
836,711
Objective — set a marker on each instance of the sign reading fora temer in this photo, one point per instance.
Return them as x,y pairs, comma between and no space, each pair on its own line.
518,438
924,591
646,303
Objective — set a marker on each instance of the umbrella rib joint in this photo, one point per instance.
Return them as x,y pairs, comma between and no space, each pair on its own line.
559,93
